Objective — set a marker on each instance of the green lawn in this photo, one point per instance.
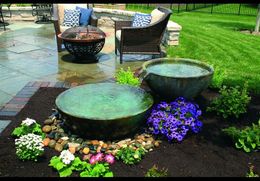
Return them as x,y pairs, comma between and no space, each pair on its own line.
215,39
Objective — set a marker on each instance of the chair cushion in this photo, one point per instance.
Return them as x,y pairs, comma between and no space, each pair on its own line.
85,14
156,16
71,17
140,20
118,34
63,28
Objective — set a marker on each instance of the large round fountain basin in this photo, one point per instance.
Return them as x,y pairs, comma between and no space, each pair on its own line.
171,78
104,110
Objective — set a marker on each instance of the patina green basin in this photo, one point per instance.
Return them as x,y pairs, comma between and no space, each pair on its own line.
104,110
171,78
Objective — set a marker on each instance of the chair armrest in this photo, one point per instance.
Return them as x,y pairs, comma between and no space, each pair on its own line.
120,24
93,20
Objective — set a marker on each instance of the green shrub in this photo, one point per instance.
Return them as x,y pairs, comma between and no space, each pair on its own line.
218,78
246,139
232,102
155,172
127,77
129,155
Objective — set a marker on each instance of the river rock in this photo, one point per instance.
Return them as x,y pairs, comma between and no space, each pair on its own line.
52,143
86,150
72,150
99,149
46,141
48,121
46,129
64,142
58,147
95,142
64,138
156,143
75,145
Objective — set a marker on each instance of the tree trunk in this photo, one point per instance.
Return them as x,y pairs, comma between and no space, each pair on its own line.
257,20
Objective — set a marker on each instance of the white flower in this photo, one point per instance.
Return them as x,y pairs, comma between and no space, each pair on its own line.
66,156
28,122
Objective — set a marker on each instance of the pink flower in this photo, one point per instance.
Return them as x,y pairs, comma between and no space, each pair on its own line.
110,159
92,160
99,157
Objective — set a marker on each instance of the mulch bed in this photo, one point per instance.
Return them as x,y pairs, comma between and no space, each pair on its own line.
208,153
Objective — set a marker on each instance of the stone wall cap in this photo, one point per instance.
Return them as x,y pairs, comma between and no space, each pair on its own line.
114,11
173,26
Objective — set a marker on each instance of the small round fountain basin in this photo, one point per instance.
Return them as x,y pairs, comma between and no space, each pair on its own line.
104,110
171,78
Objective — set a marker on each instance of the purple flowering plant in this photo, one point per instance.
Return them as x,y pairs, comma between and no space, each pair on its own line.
175,119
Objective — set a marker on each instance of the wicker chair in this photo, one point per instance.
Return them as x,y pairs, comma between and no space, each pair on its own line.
58,15
140,40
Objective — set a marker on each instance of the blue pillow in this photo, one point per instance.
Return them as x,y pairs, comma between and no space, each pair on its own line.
71,17
85,14
140,20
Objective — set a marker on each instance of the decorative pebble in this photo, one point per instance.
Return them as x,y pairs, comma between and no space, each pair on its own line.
72,149
75,145
156,143
46,129
52,143
58,147
98,149
65,138
86,150
104,145
64,142
48,121
46,141
95,142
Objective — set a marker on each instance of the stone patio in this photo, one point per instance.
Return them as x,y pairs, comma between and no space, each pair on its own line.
28,54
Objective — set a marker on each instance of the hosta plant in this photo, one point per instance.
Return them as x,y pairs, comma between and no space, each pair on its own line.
246,139
127,77
130,155
28,126
232,102
29,147
174,120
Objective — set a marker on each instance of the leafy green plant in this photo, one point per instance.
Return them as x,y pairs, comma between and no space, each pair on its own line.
66,163
28,126
127,77
155,172
218,78
130,155
97,170
29,147
248,138
232,102
251,172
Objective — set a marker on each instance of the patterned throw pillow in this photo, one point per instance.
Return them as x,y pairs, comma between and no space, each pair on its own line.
71,17
141,20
